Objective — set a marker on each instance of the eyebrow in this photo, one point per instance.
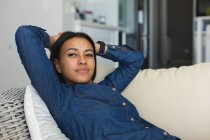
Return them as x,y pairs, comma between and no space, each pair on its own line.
75,49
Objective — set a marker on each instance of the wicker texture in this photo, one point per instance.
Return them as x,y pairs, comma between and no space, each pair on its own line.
12,119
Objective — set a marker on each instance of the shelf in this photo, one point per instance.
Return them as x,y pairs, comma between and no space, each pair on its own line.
203,17
107,33
98,25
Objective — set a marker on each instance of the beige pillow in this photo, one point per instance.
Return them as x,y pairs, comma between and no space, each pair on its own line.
176,99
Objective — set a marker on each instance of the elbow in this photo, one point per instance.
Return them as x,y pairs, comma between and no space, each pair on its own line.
20,31
139,59
21,34
23,37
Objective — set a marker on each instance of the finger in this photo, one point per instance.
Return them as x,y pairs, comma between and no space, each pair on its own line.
59,33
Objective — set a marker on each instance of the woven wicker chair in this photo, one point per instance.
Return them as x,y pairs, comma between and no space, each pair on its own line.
12,119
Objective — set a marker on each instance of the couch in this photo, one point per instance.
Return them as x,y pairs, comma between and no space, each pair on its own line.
175,99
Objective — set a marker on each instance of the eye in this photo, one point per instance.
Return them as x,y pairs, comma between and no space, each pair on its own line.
89,55
72,55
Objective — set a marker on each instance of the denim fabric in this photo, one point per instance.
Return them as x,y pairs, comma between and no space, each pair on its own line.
94,111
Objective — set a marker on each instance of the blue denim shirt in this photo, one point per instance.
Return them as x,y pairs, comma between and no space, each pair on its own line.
87,111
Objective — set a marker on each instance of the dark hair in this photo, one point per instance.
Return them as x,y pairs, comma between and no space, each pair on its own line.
55,51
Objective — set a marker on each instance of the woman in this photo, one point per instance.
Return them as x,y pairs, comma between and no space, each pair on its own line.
83,109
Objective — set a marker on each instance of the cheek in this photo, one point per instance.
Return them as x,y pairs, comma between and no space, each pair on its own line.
68,65
92,63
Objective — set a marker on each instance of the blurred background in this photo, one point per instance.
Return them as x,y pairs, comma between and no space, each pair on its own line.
171,33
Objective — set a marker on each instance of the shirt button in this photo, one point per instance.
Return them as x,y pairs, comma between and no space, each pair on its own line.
124,104
165,133
114,89
146,127
132,119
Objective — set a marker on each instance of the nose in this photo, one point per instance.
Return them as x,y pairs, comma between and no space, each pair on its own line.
82,60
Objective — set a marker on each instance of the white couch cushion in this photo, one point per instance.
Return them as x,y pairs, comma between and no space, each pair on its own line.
41,124
175,99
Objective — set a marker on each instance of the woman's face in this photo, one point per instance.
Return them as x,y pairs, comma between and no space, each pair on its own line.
76,62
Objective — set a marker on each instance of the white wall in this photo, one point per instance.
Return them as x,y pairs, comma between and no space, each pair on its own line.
14,13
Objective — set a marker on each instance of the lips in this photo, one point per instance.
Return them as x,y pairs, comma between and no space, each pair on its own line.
82,70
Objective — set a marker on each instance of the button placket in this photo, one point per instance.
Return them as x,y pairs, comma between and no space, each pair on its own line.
113,89
124,104
132,119
165,133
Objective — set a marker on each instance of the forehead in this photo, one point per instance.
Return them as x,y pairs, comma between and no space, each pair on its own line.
80,43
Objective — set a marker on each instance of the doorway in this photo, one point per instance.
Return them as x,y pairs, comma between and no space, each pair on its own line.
162,29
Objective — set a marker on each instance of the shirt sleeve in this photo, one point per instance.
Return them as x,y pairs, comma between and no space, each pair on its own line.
130,62
31,43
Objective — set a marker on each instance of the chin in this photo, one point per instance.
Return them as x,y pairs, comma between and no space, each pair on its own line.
79,81
82,81
85,82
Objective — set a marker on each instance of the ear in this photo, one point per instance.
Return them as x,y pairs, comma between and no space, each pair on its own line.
57,65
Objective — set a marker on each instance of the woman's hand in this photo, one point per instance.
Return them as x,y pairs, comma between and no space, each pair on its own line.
53,39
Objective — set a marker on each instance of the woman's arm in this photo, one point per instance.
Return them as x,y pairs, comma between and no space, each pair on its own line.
31,41
130,62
